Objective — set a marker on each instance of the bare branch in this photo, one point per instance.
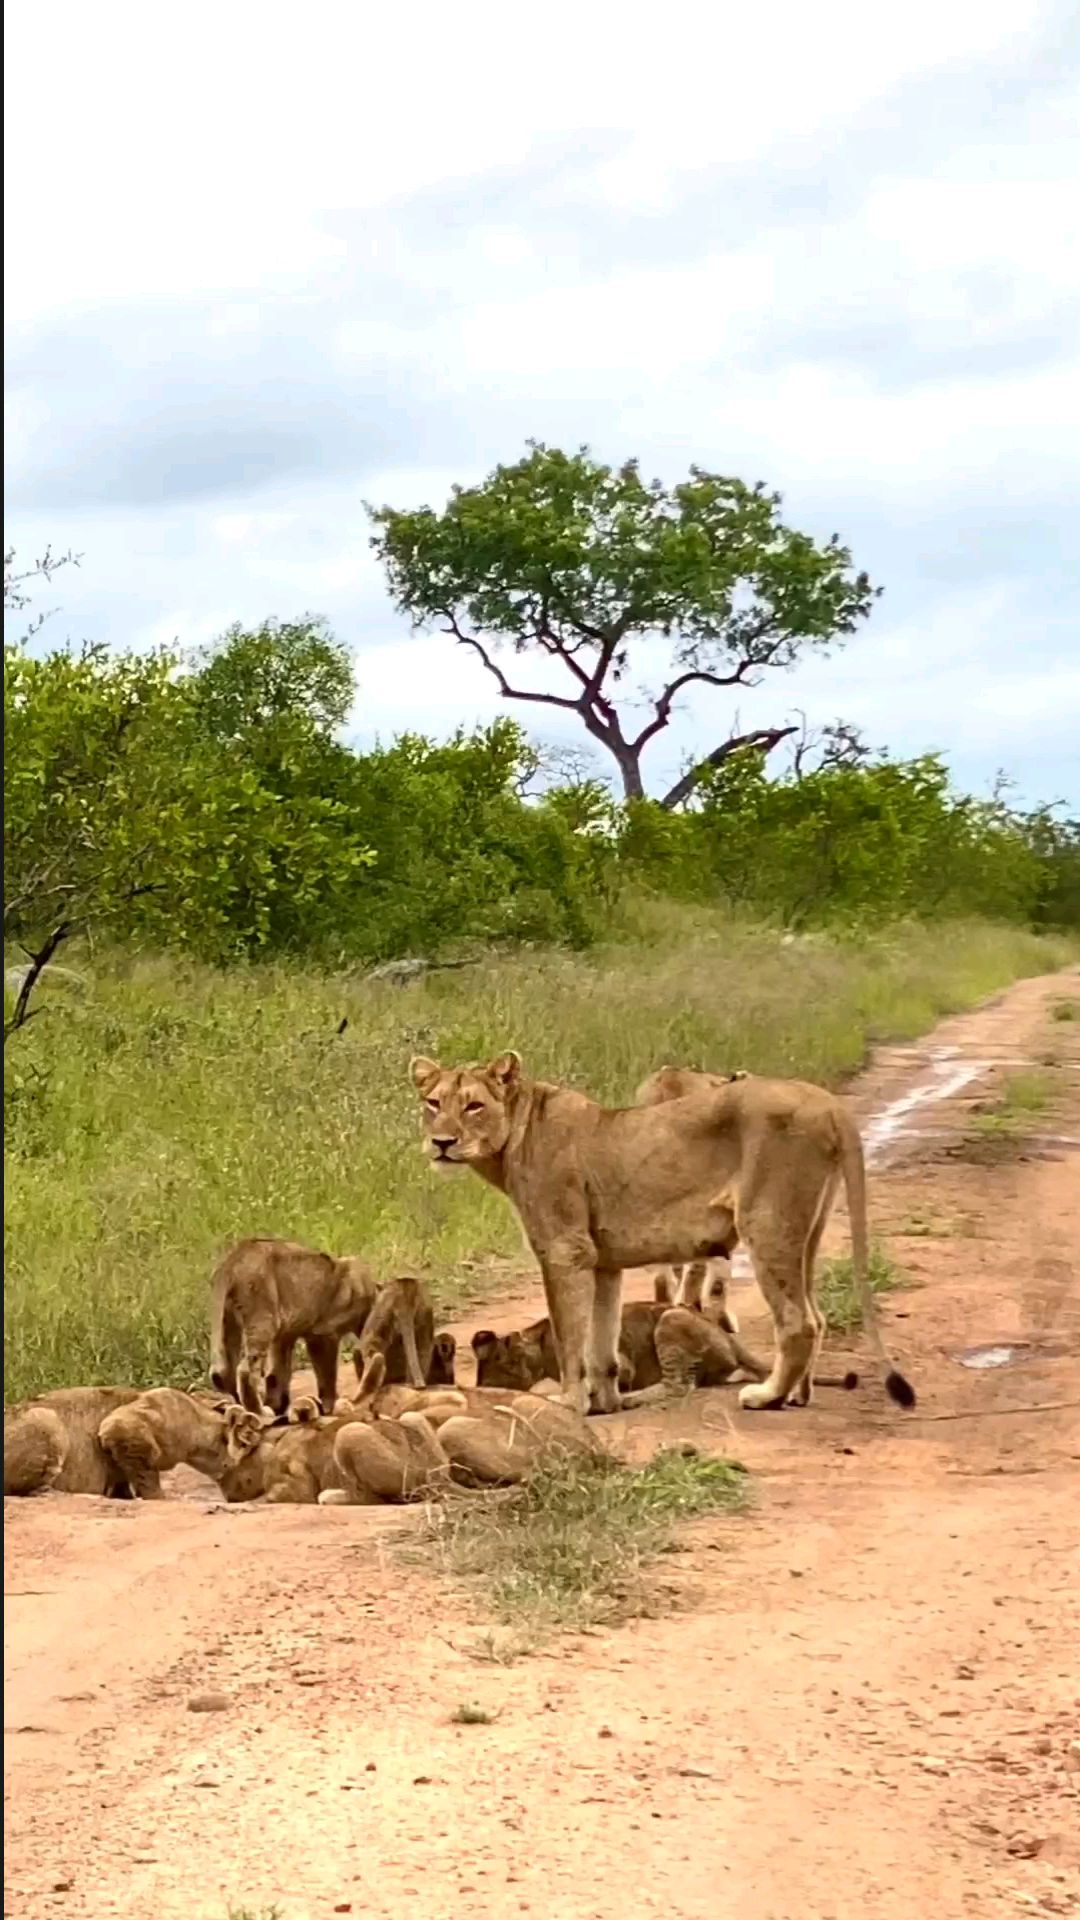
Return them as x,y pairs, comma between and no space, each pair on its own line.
506,690
762,739
22,1011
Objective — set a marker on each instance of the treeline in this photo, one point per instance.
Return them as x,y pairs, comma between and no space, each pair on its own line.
210,805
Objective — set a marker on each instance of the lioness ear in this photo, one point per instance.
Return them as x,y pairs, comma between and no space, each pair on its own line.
505,1068
424,1072
484,1339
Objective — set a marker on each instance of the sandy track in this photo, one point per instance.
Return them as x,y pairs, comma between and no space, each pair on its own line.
865,1699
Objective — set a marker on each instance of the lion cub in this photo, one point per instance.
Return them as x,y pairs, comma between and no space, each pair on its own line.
51,1444
165,1428
523,1359
497,1439
268,1294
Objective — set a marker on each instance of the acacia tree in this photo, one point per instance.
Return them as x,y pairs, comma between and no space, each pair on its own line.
590,565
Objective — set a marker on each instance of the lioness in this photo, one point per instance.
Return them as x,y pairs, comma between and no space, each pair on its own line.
523,1359
268,1294
600,1189
165,1428
51,1443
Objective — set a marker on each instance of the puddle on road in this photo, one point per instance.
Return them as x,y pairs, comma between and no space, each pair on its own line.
993,1356
950,1077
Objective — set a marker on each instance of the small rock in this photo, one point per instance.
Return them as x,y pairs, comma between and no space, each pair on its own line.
796,1573
1024,1846
929,1765
370,1768
964,1672
604,1733
422,1780
1044,1744
209,1703
62,1886
343,1906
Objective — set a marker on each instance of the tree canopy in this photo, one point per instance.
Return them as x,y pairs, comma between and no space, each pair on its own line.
588,565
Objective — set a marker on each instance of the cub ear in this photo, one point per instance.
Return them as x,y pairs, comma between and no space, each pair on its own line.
424,1072
505,1069
243,1431
305,1410
484,1339
372,1378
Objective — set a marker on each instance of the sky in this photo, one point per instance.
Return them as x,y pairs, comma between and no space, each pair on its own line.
265,264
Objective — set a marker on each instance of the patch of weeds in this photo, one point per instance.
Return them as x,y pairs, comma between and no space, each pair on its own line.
469,1714
923,1226
1065,1010
1023,1097
256,1913
571,1548
492,1649
838,1295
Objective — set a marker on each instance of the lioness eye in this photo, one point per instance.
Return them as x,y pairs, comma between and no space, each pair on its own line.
432,1106
474,1106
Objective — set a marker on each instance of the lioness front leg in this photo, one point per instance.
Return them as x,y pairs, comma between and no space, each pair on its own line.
602,1349
569,1288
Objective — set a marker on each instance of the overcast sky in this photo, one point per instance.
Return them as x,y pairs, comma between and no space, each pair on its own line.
265,263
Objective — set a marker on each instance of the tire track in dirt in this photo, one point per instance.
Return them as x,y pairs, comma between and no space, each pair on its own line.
864,1699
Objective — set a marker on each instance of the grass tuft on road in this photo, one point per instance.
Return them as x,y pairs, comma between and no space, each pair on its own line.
574,1547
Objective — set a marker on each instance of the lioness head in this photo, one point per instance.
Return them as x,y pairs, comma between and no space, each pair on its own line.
466,1109
509,1361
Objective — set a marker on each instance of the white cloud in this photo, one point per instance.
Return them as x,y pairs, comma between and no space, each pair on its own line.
832,248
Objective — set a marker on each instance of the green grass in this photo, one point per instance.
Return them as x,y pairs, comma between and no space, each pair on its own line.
838,1295
573,1547
1065,1010
1024,1098
167,1109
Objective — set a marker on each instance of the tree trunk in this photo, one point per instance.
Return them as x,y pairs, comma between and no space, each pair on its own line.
630,770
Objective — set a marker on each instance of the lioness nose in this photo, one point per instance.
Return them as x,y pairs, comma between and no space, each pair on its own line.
443,1141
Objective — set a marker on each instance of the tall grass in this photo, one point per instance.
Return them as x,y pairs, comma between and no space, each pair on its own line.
169,1108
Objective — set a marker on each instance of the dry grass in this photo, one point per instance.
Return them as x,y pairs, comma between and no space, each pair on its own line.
168,1109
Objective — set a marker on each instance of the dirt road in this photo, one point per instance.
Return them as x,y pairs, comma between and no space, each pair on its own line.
865,1700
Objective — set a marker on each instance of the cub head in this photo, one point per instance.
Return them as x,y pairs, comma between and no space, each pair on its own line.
466,1110
508,1361
242,1476
441,1372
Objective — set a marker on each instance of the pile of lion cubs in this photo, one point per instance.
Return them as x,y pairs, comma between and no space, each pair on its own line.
698,1163
394,1440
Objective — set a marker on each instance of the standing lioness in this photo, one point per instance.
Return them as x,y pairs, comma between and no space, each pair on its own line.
600,1189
